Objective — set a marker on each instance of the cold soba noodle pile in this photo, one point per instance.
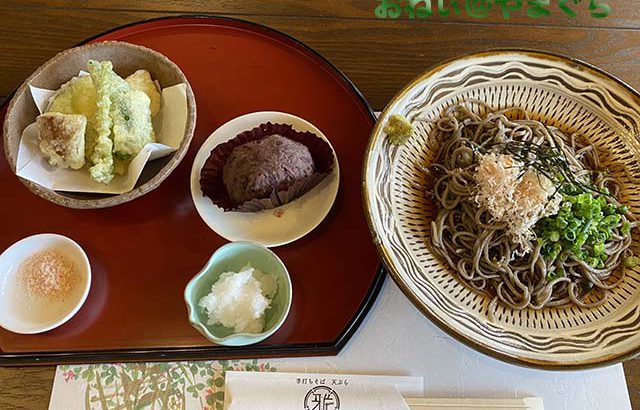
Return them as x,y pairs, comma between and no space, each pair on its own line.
526,213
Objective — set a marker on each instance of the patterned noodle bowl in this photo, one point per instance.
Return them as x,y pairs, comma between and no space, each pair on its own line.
558,91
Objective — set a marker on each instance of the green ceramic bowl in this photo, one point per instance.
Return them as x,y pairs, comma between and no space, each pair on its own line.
233,257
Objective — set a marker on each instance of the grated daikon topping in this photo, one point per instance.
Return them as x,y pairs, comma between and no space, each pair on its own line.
238,300
510,196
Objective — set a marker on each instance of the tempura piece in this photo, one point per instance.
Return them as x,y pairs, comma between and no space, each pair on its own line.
132,127
78,96
117,117
141,81
108,85
62,139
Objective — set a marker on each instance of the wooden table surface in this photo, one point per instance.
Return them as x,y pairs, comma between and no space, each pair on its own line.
379,55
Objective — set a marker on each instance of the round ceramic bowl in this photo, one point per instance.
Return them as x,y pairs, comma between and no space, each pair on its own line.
569,94
233,257
126,59
21,314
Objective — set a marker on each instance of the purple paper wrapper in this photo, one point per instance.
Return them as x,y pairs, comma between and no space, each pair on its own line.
211,174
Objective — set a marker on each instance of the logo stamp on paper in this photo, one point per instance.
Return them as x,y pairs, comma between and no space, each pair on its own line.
322,398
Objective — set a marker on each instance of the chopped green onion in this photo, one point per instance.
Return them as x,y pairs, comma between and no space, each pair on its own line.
581,229
612,220
555,274
570,235
601,237
610,209
561,223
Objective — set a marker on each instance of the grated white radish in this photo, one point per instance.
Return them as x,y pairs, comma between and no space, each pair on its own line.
238,300
519,199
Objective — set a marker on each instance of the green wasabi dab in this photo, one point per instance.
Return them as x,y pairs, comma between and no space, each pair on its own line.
398,129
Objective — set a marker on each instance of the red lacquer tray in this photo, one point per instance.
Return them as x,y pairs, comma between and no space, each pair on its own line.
143,253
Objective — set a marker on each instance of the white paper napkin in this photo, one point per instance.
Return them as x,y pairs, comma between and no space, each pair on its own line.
169,126
530,403
296,391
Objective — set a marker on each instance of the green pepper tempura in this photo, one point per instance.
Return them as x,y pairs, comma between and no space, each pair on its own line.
580,230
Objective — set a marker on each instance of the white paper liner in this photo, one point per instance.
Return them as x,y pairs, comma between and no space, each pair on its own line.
169,126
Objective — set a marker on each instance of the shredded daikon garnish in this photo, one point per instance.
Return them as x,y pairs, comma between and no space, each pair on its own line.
514,195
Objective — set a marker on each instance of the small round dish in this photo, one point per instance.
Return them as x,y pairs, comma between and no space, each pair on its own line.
232,257
272,227
21,314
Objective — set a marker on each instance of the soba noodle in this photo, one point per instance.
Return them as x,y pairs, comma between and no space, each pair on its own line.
480,249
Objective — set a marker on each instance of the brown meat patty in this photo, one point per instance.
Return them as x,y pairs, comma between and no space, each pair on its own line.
258,168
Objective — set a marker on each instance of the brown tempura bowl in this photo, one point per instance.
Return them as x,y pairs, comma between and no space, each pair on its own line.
126,59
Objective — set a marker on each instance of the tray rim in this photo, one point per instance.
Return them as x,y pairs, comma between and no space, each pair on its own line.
215,352
394,273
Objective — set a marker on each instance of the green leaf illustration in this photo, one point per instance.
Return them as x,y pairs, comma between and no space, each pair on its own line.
158,385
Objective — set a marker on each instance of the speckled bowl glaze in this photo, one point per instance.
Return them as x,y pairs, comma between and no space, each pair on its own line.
233,257
126,59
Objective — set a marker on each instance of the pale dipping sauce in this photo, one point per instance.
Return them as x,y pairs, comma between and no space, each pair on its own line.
48,274
43,288
238,300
